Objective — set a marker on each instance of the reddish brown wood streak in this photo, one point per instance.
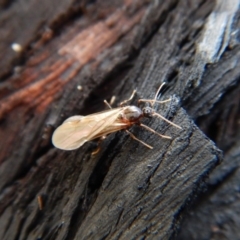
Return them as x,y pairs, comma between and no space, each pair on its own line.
28,93
86,46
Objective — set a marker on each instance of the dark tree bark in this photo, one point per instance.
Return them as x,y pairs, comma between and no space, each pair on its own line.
73,55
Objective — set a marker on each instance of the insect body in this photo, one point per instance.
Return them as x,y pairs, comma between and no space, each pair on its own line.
77,130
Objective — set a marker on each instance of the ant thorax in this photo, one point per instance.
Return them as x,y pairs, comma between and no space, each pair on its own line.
131,114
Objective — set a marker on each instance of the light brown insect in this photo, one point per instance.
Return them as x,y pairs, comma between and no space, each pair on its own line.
40,202
77,130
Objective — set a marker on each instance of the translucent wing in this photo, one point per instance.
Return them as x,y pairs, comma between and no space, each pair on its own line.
77,130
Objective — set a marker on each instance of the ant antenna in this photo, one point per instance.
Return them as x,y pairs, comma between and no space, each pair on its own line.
159,89
153,101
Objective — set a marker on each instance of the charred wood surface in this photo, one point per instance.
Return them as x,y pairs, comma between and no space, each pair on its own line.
72,56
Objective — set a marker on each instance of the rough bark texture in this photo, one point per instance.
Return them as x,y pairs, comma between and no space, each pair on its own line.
76,54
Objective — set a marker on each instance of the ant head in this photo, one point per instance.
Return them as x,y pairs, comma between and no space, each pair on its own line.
148,112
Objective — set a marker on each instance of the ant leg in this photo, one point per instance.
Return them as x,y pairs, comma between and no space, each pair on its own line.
112,100
106,102
109,105
98,145
163,118
131,97
153,131
135,138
